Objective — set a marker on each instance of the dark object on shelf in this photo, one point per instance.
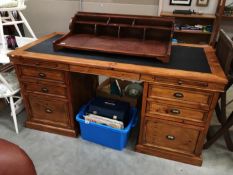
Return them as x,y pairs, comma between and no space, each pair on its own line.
120,34
185,12
181,2
11,42
109,108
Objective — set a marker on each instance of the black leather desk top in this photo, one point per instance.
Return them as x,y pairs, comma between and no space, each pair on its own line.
182,58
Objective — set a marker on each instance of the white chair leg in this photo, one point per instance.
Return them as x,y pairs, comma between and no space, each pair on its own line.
2,35
14,114
26,24
13,20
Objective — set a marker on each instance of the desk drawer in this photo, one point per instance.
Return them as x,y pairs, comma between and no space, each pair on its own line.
169,135
156,107
181,95
43,64
176,82
49,111
44,88
42,73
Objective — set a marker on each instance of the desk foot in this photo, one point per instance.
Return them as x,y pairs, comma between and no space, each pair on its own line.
193,160
52,129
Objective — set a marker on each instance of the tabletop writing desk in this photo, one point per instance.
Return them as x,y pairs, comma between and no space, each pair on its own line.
178,98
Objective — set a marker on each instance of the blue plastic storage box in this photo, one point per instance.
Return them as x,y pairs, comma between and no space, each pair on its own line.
106,135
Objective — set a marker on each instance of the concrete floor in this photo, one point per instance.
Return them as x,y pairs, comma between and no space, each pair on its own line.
59,155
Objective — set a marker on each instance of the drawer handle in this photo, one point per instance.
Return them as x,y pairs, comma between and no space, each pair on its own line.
170,137
175,111
178,95
49,111
45,90
42,75
180,82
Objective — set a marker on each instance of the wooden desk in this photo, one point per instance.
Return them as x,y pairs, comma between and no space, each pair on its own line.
177,104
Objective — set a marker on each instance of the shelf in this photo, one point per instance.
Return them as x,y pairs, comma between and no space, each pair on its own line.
227,17
224,16
192,32
203,16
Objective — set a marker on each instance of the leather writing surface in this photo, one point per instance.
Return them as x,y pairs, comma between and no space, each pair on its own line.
182,57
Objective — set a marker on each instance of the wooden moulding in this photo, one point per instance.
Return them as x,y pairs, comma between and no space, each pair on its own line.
144,36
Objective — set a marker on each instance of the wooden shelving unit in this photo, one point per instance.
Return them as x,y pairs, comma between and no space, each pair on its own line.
193,32
187,36
219,18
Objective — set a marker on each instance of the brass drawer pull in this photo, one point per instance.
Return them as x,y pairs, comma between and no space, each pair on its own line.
170,137
49,111
42,75
178,95
175,111
180,82
45,90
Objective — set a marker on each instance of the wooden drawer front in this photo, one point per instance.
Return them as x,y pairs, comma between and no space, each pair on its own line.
170,136
45,89
53,111
105,72
39,63
175,111
173,81
179,94
45,74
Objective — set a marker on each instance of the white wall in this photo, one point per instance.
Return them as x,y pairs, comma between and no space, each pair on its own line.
211,8
46,16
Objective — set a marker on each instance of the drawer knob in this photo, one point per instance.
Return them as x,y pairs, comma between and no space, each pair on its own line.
45,90
49,111
42,75
175,111
178,95
170,137
180,82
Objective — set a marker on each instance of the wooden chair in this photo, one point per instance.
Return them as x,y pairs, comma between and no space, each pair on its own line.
11,7
224,52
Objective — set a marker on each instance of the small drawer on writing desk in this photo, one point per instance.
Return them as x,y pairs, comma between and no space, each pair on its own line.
186,96
170,135
42,73
45,88
39,63
175,111
53,111
106,72
177,82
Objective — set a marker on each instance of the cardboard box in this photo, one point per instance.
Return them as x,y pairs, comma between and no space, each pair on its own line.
104,90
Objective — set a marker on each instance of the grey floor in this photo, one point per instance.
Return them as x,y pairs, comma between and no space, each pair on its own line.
59,155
